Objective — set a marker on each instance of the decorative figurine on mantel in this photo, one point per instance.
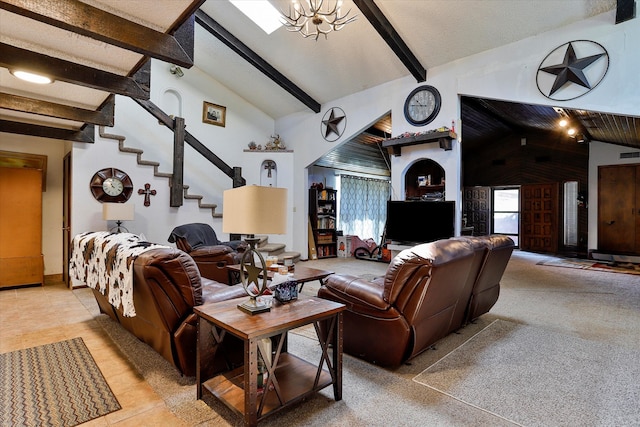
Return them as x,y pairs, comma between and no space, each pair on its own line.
275,143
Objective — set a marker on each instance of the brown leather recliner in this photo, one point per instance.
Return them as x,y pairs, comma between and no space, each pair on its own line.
393,318
482,288
211,255
166,287
486,287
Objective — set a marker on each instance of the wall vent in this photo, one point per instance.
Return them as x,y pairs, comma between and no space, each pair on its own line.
630,155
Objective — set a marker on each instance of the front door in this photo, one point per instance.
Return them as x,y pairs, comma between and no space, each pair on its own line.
539,218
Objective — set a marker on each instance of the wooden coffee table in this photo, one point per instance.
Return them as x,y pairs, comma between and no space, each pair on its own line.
290,378
301,274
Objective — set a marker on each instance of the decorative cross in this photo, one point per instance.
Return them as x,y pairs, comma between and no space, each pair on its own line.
147,194
269,166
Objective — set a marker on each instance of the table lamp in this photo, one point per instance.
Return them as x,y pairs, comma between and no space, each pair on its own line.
252,210
118,212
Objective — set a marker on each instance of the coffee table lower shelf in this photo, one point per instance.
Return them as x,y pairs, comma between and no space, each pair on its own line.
295,376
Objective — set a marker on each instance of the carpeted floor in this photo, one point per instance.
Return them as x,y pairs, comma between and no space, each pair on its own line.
535,377
585,264
597,309
54,385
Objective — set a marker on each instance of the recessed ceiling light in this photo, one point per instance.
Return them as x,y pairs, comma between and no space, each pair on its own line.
32,77
563,123
263,13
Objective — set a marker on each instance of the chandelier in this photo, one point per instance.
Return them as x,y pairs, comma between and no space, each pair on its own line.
310,20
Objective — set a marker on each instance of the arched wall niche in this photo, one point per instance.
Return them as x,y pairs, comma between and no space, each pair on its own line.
269,173
424,179
172,103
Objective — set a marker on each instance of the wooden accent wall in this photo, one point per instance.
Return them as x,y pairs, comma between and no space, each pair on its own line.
544,158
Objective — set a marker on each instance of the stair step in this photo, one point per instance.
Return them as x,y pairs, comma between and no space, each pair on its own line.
272,248
294,255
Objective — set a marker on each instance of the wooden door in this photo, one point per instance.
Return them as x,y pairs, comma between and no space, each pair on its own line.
477,208
539,218
618,206
66,218
21,260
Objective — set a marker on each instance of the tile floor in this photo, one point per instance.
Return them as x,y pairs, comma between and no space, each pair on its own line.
41,315
32,316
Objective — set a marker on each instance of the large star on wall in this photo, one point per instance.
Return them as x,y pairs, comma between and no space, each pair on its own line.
573,70
333,123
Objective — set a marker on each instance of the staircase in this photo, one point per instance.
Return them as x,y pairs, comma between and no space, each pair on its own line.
264,247
275,249
124,149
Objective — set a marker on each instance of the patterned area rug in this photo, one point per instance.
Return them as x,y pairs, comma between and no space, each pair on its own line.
585,264
56,384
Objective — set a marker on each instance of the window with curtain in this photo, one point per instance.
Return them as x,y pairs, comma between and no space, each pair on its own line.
362,209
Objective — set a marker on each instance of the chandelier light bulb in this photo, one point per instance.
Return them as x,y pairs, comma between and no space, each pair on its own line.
571,132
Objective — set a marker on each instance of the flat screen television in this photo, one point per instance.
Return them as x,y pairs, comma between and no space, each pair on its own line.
413,222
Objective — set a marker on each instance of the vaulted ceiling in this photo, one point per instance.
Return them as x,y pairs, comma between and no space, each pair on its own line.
95,48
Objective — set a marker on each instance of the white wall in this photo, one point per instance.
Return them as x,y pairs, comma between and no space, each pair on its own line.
51,198
506,73
244,123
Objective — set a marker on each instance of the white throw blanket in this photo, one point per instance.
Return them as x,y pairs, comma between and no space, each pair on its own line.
103,260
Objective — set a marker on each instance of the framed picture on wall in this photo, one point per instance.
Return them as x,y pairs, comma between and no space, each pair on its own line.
214,114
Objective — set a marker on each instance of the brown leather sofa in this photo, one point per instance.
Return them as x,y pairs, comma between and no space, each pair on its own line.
166,286
210,254
427,292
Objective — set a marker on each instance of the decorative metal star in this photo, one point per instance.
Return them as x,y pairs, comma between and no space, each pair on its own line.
253,276
571,70
332,124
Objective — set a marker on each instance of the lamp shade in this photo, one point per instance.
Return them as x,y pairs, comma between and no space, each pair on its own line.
118,211
254,209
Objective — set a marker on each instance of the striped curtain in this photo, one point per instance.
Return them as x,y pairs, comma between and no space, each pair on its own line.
363,206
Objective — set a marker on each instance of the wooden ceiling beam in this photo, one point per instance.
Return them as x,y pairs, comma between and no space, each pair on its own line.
382,25
215,29
89,21
103,116
86,134
12,57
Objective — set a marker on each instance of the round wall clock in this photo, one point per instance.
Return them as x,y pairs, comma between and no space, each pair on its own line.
111,185
422,105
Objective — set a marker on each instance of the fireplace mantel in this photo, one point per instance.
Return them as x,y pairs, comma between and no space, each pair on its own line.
445,139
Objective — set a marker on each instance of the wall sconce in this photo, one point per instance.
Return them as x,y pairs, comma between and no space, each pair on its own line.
176,71
118,212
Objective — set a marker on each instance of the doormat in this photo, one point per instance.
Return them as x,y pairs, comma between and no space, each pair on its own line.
585,264
55,384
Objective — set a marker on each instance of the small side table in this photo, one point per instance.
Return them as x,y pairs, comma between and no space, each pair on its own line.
289,378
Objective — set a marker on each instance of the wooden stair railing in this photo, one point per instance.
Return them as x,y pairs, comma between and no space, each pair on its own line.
180,136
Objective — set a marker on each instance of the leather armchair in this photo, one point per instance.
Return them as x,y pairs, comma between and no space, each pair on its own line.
210,254
394,318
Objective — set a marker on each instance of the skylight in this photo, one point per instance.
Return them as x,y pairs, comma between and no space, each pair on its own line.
263,13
